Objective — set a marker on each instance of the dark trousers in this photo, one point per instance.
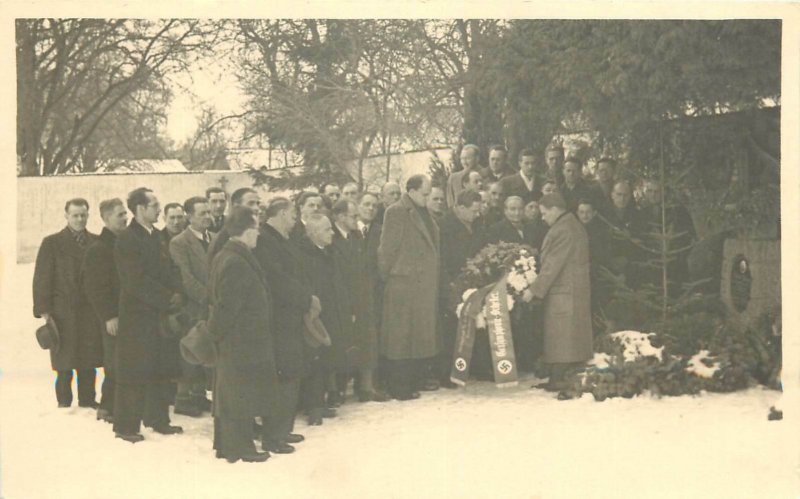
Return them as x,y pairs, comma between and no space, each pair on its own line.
233,437
191,385
280,422
312,388
108,390
137,403
404,375
86,389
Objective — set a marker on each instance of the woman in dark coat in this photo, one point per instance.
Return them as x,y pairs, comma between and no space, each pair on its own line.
239,323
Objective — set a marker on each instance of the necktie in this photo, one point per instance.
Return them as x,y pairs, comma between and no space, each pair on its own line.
205,241
365,230
80,237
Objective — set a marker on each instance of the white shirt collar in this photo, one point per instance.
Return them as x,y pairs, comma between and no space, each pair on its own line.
199,235
528,181
343,232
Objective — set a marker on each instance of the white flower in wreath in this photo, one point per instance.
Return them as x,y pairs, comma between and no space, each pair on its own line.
530,276
527,296
510,302
517,281
465,296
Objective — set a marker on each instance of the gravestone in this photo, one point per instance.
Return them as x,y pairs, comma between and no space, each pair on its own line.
751,278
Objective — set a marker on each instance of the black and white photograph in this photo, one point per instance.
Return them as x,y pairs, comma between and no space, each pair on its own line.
418,252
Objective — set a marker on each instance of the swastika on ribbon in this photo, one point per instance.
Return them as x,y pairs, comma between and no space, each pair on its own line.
461,364
505,366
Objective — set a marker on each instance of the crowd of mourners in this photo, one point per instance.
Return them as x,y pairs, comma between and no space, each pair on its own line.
300,297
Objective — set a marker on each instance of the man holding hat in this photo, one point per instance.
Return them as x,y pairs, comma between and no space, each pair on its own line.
58,297
563,283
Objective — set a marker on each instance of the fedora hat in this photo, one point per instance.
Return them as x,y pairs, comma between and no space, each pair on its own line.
175,325
314,331
48,337
197,347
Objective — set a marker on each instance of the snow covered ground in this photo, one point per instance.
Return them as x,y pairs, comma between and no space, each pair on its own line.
476,442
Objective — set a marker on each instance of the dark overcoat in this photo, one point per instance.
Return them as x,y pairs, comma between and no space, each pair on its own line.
459,243
408,260
58,291
327,282
563,283
292,298
147,282
371,241
246,380
101,285
515,185
504,231
350,258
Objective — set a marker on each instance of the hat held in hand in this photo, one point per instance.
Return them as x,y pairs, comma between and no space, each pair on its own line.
197,347
314,332
48,337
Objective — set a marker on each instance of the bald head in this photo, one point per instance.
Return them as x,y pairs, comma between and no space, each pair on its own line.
621,195
390,193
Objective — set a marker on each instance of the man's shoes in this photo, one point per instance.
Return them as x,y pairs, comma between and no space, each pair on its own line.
315,417
373,396
167,429
62,405
202,403
429,385
278,447
130,437
407,396
188,409
294,438
92,405
335,399
105,415
327,412
251,457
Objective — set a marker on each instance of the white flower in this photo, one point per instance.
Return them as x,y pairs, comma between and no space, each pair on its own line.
527,296
530,276
600,360
698,368
517,281
637,345
467,294
510,302
480,321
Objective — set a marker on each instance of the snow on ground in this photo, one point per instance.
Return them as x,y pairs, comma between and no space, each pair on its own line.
475,442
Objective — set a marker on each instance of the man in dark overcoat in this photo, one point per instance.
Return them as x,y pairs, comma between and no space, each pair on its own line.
408,260
244,196
599,247
292,299
239,323
101,285
460,241
512,229
326,282
146,356
350,257
58,297
524,183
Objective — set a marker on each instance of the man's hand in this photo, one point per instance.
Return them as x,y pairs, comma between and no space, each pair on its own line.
316,306
112,325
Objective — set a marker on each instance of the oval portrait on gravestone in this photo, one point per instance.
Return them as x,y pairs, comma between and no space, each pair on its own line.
741,283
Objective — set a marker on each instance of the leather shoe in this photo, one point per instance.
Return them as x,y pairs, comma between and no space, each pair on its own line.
278,447
407,396
254,457
335,399
105,415
130,437
64,406
430,385
167,429
188,410
294,438
373,396
315,417
202,403
327,412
